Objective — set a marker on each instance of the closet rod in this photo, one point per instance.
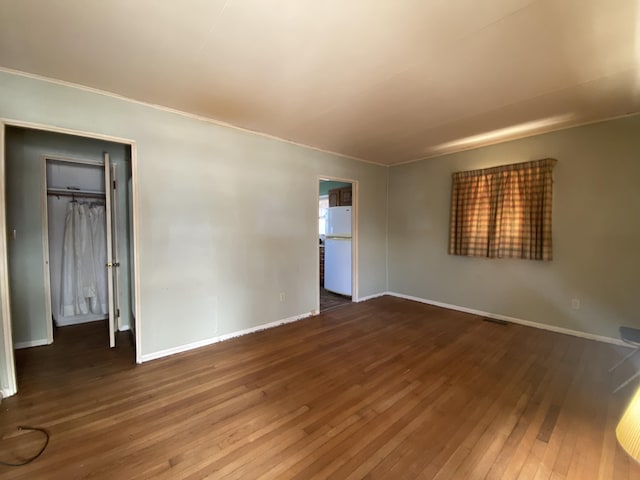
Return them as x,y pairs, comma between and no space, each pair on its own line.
75,193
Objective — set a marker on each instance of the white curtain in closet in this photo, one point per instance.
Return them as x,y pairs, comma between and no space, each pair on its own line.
84,277
99,237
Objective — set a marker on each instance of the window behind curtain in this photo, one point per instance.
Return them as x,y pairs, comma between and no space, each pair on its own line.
503,212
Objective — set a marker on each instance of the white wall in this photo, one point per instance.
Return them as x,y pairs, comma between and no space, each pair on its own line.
227,219
596,233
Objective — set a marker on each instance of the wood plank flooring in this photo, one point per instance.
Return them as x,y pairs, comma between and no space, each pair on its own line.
385,389
330,300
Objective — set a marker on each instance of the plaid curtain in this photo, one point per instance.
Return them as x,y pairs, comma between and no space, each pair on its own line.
503,212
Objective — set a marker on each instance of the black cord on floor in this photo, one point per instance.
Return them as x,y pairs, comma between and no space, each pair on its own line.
29,460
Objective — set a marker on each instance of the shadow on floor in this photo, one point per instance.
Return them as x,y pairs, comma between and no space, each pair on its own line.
330,300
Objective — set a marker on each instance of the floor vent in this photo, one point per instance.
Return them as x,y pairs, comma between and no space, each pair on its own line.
495,320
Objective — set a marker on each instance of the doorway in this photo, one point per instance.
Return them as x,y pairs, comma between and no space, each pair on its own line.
87,251
336,231
70,244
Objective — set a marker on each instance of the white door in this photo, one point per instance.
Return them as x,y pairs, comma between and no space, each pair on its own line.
337,265
115,247
111,243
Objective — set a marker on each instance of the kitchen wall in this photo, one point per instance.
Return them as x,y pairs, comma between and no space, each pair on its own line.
326,185
596,233
227,218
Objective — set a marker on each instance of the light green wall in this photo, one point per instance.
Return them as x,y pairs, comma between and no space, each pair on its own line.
596,233
227,219
325,186
24,177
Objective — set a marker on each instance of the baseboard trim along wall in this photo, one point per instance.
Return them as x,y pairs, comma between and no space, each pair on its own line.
221,338
210,341
371,297
30,343
528,323
39,343
66,322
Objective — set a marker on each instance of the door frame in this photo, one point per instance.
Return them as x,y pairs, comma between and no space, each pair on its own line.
355,297
10,387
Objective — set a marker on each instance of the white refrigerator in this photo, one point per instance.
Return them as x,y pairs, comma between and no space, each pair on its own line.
337,251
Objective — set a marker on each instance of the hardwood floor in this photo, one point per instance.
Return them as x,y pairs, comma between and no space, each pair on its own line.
330,300
387,389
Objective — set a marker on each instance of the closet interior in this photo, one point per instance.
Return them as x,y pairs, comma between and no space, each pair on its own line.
76,219
70,224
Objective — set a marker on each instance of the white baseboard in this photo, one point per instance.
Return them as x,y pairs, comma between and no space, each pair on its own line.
30,343
528,323
221,338
371,297
6,393
67,321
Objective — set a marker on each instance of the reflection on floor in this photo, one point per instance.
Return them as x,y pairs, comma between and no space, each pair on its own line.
386,388
76,348
330,300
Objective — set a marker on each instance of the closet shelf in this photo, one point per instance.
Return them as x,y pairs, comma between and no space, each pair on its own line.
75,193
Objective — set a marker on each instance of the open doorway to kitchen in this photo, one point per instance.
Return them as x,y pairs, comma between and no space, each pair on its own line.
336,234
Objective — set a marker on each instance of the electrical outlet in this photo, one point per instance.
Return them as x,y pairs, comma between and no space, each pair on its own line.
575,304
282,296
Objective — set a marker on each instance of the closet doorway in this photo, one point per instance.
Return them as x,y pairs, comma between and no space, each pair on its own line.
82,244
68,256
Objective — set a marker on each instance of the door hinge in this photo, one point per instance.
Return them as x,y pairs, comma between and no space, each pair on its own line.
117,312
114,184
